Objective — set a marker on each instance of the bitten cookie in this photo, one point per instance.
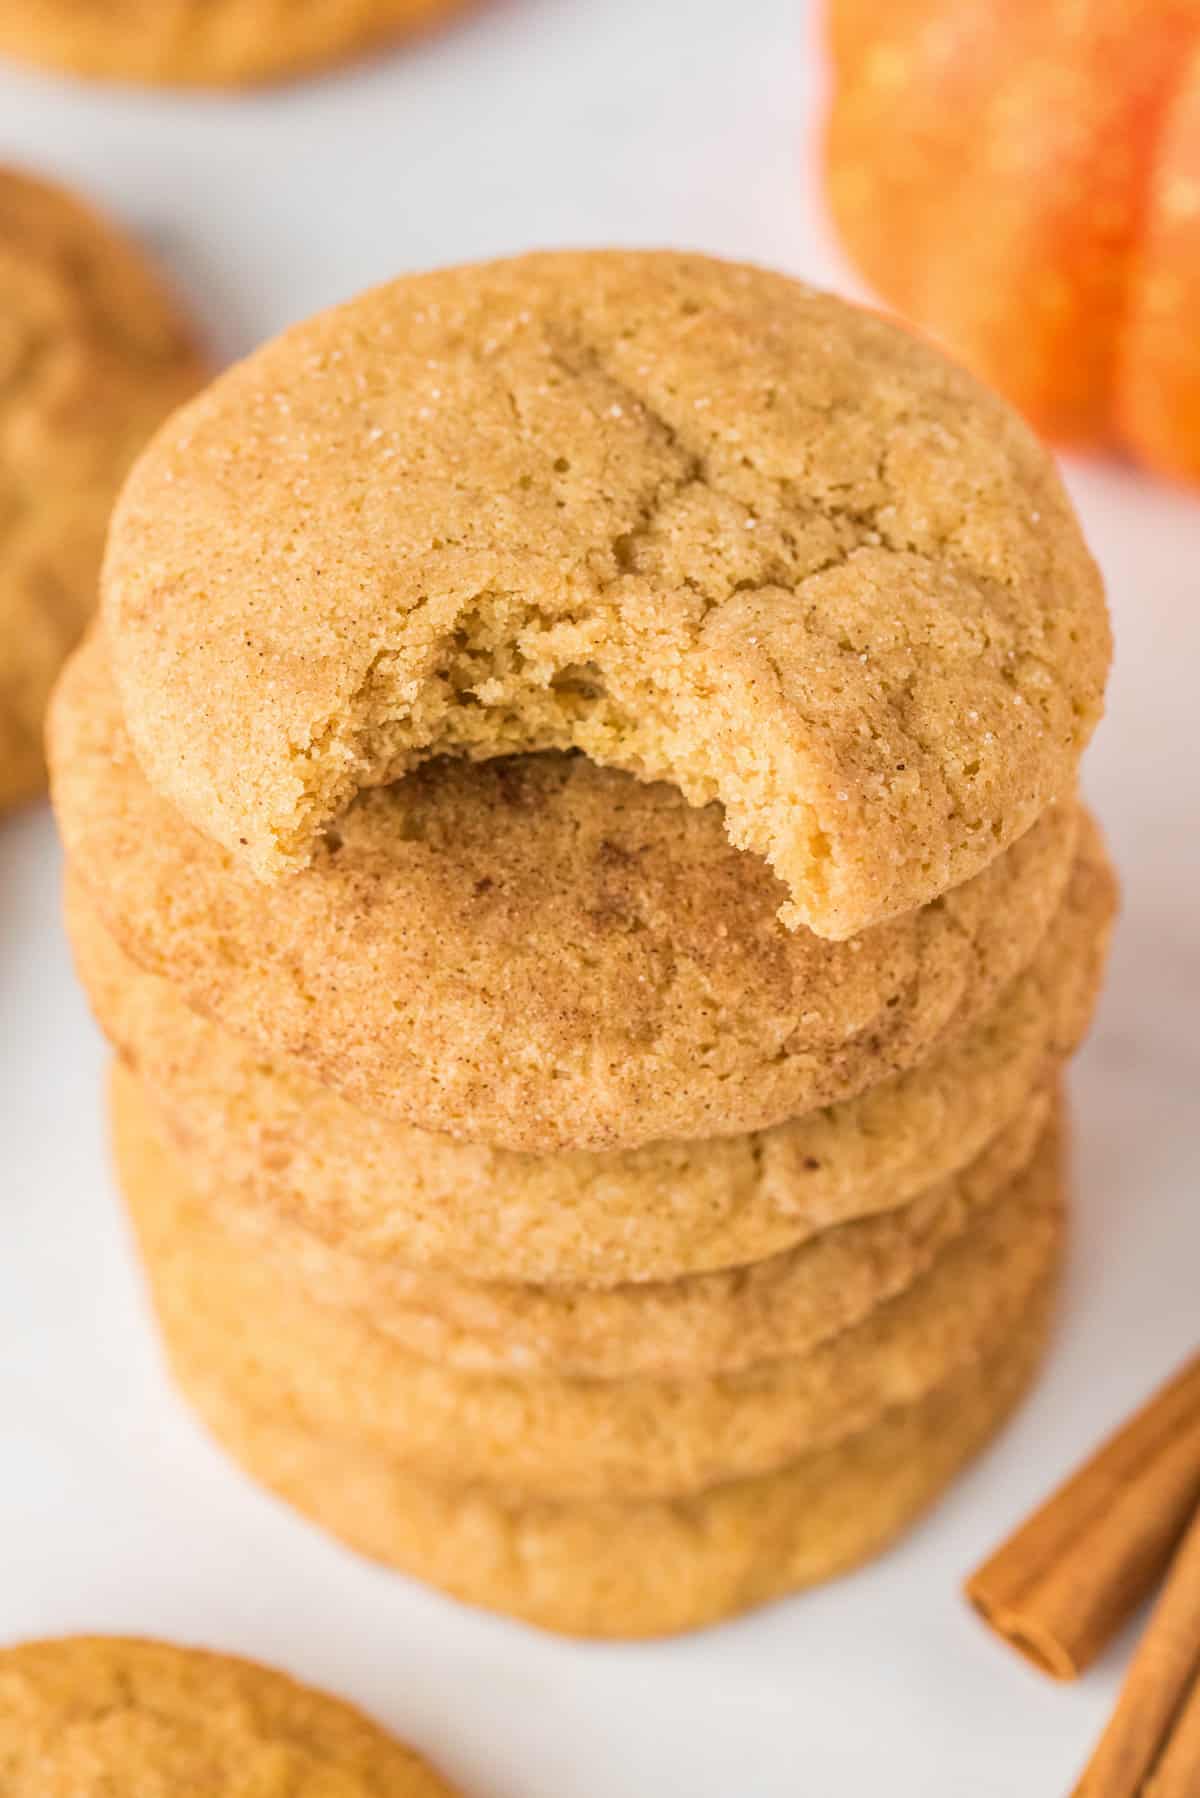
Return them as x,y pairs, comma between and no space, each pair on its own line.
646,1569
217,1299
695,519
195,43
536,951
93,355
89,1716
389,1201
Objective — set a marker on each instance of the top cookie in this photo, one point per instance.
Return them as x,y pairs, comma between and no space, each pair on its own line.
93,355
695,519
94,1716
202,42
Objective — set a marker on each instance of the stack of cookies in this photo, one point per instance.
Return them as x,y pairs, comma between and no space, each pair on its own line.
572,833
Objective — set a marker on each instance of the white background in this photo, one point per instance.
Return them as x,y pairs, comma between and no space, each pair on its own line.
551,122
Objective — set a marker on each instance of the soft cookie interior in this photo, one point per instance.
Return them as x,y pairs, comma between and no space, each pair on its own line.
763,702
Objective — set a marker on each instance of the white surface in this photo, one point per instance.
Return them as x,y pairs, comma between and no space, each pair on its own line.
543,122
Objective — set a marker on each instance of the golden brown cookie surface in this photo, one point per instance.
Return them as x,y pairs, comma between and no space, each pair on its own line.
217,1298
693,518
203,43
393,1200
536,952
719,1323
93,355
646,1569
118,1717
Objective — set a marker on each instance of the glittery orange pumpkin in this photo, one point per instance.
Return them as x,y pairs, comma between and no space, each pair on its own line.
1022,179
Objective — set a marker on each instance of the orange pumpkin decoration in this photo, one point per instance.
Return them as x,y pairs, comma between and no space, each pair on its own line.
1022,179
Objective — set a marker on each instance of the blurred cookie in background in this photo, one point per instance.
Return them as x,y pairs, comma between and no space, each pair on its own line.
94,353
204,43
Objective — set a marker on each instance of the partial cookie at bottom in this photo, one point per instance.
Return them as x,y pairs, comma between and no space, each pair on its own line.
93,1716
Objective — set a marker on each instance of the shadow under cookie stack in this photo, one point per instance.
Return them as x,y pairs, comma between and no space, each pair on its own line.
612,1226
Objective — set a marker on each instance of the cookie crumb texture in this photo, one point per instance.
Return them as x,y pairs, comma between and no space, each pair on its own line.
199,43
692,518
93,355
536,952
115,1717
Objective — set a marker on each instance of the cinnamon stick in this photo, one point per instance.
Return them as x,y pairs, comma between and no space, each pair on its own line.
1151,1748
1060,1588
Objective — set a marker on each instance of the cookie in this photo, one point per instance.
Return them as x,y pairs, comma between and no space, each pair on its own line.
93,355
650,1569
695,519
558,1437
536,952
389,1201
88,1716
203,43
708,1323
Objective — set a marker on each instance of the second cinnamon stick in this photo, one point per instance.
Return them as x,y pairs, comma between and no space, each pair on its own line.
1151,1748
